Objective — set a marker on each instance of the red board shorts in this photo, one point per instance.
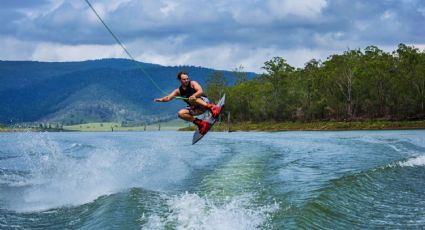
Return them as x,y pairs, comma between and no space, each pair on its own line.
195,110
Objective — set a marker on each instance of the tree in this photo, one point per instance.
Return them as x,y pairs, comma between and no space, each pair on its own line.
342,70
277,65
412,78
240,75
216,83
352,85
309,89
376,87
276,87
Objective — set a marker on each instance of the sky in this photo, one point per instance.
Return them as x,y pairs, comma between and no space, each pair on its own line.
219,34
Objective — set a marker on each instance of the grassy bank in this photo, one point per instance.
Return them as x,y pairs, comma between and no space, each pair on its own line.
111,126
6,129
242,126
102,127
328,125
17,129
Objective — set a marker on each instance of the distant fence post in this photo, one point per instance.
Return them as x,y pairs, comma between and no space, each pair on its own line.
159,124
228,121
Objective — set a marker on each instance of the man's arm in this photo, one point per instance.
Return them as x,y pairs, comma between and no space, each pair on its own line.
198,89
170,97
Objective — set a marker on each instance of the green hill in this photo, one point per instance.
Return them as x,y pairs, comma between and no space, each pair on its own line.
107,90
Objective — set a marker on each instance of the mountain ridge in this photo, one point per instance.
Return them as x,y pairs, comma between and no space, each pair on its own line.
90,91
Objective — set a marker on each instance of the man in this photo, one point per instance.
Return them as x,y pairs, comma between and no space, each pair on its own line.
196,100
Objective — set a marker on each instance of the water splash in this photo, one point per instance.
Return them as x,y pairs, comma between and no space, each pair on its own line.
54,178
58,180
416,161
190,211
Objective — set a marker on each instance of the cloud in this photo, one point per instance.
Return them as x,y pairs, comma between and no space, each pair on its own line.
421,47
307,9
421,10
16,4
228,56
220,34
59,52
14,49
224,56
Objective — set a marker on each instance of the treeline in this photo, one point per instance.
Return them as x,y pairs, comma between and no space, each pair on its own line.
356,85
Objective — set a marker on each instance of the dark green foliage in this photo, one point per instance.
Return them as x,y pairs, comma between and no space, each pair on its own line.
240,75
216,83
355,85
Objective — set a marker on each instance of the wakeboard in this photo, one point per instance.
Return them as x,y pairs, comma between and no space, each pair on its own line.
197,136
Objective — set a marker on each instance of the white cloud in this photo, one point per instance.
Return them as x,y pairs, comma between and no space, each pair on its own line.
231,56
388,15
265,12
422,11
361,25
333,40
420,46
220,34
169,8
14,49
299,57
306,9
224,56
60,52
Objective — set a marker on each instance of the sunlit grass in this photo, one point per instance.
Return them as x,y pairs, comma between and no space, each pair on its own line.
112,126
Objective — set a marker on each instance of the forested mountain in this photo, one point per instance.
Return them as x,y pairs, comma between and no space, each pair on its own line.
355,85
90,91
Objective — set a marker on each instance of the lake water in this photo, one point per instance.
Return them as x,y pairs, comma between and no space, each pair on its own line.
240,180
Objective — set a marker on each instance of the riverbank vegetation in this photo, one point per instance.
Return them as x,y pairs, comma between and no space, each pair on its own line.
315,126
358,85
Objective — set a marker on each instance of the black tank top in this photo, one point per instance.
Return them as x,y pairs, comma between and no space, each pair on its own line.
189,91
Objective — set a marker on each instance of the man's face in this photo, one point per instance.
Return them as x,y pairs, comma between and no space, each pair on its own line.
184,79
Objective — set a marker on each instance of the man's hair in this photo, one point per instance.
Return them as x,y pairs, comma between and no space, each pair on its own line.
179,75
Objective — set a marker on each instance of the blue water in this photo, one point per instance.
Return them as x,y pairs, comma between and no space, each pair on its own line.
240,180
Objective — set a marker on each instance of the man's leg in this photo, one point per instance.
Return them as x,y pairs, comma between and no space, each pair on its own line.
185,115
201,102
215,110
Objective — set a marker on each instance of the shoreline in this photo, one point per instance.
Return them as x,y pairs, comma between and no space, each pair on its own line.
316,126
264,126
